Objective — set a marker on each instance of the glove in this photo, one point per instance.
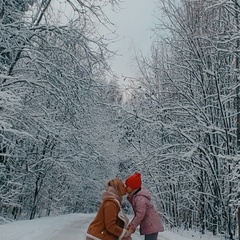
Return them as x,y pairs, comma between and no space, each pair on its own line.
127,234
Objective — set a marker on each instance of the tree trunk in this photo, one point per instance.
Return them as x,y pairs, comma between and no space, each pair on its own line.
238,100
238,223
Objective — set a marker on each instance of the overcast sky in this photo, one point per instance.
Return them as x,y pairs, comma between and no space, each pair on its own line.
133,20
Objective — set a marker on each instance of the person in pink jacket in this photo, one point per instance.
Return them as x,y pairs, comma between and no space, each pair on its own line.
145,214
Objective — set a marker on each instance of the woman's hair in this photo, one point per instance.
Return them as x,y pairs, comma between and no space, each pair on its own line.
115,183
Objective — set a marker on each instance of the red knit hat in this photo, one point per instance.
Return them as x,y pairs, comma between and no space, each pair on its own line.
134,181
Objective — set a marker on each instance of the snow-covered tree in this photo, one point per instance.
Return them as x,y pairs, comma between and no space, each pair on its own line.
51,77
187,107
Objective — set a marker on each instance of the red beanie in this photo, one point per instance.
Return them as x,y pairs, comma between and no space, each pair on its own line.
134,181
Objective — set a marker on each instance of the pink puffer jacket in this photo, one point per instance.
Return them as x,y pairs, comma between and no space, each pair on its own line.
146,215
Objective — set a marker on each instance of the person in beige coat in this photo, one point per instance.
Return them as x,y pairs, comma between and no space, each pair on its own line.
110,222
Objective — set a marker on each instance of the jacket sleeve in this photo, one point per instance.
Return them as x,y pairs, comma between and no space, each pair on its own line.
111,211
139,209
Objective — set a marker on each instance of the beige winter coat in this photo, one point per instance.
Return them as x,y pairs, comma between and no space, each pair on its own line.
110,222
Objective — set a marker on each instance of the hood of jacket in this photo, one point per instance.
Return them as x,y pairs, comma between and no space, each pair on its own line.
111,193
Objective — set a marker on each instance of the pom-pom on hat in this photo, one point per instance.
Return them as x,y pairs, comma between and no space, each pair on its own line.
134,181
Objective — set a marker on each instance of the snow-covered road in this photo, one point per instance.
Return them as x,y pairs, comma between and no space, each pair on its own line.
72,231
73,227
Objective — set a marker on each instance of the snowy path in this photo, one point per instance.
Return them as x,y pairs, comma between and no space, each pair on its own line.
73,227
76,229
73,231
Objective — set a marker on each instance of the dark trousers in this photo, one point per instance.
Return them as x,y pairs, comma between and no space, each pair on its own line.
152,236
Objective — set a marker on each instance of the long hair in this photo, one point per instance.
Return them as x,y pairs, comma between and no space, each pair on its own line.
115,183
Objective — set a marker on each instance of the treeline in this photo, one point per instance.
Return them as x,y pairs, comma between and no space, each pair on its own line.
53,107
185,113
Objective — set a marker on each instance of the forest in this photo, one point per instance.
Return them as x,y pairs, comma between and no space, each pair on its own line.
67,125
